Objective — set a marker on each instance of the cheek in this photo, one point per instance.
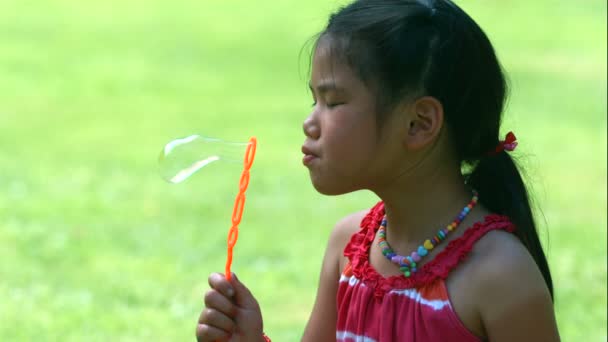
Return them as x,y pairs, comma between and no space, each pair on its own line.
352,152
354,136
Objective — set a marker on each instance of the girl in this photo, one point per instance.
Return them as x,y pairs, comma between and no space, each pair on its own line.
408,97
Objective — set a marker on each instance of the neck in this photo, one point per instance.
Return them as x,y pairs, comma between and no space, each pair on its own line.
415,210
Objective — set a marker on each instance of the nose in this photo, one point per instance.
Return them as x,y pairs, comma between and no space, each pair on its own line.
311,127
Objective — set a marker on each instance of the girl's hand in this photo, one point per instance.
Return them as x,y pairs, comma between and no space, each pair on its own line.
231,313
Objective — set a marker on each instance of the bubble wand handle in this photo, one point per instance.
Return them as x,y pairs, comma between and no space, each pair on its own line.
239,203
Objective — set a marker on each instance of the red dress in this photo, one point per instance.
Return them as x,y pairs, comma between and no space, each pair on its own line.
373,308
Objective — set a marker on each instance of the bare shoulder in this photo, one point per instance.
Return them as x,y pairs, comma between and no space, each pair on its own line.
501,258
512,295
342,233
348,225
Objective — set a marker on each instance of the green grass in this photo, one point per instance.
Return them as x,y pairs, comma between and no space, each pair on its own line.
95,246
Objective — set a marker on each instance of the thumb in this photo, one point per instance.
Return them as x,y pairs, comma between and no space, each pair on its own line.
242,296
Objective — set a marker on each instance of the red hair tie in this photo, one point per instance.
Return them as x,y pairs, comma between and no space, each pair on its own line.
509,144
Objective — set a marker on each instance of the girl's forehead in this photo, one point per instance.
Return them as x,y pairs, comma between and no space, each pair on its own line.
328,65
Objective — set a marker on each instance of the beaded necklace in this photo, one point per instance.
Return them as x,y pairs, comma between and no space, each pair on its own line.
407,264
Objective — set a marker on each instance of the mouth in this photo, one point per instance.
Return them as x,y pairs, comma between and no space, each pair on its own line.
309,156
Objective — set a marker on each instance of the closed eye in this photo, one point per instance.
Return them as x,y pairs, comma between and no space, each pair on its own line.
333,105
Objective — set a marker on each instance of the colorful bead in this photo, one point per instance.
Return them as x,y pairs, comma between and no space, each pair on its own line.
407,264
415,257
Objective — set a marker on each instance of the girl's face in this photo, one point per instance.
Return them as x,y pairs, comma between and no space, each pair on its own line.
343,146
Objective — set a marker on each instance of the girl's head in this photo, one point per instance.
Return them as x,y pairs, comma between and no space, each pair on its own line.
401,51
406,49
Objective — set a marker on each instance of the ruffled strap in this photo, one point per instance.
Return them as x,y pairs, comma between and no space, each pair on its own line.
357,251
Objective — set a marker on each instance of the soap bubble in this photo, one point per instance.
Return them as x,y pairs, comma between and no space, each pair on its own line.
183,157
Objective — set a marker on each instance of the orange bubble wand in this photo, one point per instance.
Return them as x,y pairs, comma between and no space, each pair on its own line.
239,203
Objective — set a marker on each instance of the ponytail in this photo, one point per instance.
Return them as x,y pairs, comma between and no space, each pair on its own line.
502,190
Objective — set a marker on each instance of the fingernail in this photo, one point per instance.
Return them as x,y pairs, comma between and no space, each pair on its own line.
230,292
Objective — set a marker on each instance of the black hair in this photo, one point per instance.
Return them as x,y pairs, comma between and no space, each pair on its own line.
405,48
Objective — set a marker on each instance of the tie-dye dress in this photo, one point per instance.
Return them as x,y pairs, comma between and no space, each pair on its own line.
373,308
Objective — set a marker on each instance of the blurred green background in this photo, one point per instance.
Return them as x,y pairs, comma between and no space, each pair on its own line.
95,246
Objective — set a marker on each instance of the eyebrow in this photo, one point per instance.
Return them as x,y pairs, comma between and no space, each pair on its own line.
325,86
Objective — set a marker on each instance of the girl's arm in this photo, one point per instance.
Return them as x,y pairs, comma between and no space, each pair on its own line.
514,301
322,322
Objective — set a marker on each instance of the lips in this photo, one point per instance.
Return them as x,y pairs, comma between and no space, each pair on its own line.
309,155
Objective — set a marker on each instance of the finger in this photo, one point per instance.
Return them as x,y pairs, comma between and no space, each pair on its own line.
207,333
242,296
219,282
217,301
216,319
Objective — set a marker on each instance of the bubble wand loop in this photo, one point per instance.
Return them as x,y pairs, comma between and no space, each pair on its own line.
239,203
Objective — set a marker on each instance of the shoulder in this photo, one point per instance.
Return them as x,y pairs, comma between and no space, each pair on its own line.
498,256
508,285
502,260
342,233
347,226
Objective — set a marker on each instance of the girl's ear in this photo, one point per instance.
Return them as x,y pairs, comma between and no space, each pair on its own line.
425,119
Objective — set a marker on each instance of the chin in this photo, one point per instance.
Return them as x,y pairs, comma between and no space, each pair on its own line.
329,192
330,188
